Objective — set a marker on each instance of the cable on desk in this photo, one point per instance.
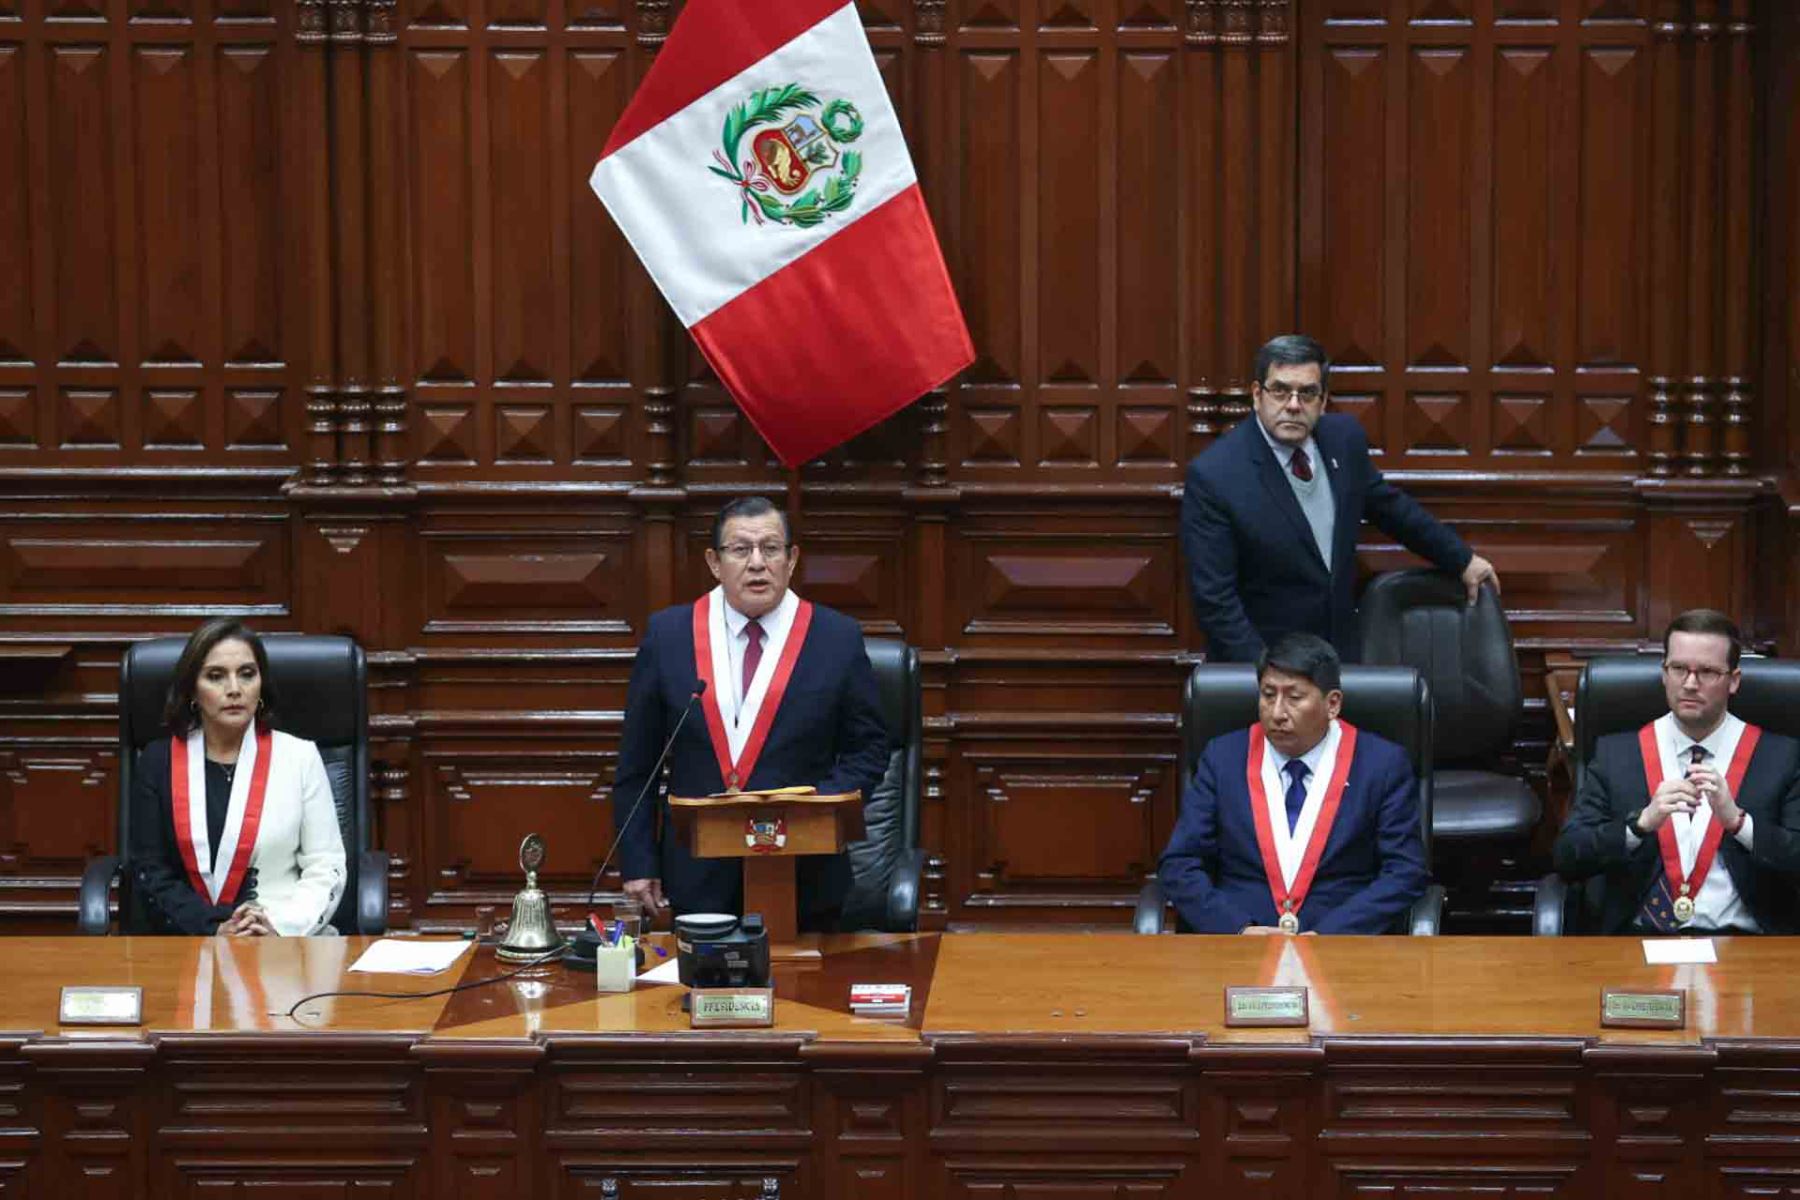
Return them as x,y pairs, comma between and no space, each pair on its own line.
460,987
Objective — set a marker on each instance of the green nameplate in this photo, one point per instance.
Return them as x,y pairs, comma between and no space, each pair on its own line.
1643,1010
1276,1006
101,1006
731,1008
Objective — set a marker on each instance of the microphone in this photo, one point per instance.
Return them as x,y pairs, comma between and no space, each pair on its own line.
582,946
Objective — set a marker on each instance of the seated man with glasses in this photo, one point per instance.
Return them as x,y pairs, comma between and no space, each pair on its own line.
789,700
1692,818
1271,512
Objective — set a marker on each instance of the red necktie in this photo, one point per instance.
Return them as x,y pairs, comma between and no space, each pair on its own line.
752,654
1301,465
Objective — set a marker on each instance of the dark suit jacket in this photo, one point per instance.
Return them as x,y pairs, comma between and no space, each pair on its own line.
1593,840
829,732
1371,872
1254,569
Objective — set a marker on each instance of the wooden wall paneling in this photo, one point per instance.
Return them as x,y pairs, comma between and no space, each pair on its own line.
1738,251
1698,550
1667,278
1648,1115
484,1097
869,1120
1704,181
95,1126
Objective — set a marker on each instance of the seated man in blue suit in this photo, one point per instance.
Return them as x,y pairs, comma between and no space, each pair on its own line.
1301,823
1271,512
1693,818
790,700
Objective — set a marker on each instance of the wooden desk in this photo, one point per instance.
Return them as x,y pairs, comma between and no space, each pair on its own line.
1031,1066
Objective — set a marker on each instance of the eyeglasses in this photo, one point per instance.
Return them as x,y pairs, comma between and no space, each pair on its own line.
1282,391
1708,676
740,552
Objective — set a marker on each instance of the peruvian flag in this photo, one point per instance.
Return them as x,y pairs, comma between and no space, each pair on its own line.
760,174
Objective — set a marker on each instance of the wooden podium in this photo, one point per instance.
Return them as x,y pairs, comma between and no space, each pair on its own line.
768,830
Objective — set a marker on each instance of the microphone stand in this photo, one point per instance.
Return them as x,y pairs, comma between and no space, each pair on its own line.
584,947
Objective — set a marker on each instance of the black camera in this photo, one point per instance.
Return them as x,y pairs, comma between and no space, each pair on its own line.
716,950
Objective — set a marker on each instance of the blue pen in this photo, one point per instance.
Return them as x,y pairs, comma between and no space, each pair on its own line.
615,933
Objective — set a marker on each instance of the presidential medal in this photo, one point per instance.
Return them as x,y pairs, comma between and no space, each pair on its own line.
1289,923
1684,909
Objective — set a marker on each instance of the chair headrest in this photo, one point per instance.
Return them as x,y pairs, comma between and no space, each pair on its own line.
1388,701
1623,692
319,681
896,667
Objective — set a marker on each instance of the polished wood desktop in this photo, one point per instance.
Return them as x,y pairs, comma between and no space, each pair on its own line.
1030,1066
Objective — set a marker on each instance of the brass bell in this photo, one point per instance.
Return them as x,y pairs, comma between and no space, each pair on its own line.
530,934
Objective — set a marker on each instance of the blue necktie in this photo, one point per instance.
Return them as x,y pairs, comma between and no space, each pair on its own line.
1297,772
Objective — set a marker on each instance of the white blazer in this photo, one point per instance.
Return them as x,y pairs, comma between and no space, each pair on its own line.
299,855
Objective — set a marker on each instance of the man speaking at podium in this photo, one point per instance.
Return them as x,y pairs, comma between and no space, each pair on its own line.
790,701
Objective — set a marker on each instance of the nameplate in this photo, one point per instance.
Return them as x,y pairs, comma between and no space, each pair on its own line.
731,1008
101,1006
1277,1006
1643,1010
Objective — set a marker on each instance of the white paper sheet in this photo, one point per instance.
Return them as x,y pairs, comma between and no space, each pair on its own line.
1663,951
668,972
410,956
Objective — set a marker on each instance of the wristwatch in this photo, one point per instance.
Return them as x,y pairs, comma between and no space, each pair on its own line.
1637,831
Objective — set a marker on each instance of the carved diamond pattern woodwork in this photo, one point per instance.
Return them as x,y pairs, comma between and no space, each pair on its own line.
537,580
882,14
1367,409
1526,10
1071,14
18,418
1441,10
1146,436
1437,424
844,581
1604,425
89,418
343,538
1074,582
993,436
172,421
1521,425
993,14
1149,14
442,13
523,433
1611,10
714,435
1105,808
1709,533
600,435
447,434
253,420
1068,437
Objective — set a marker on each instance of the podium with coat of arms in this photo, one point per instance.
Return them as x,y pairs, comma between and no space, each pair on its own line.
769,830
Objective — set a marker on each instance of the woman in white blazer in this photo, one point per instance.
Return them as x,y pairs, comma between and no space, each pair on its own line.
233,828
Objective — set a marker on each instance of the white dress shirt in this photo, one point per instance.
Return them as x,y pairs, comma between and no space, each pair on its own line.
1717,905
738,707
1321,761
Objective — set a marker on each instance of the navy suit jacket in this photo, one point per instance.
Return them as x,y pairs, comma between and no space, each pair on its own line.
1371,872
1254,568
1614,789
829,732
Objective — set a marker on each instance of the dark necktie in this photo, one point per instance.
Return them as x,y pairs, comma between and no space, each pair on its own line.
1301,465
1657,912
753,633
1297,772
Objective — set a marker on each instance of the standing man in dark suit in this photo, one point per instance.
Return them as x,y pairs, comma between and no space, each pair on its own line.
1270,515
1662,809
1301,823
790,700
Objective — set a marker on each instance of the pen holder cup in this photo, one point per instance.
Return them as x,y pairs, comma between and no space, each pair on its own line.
615,966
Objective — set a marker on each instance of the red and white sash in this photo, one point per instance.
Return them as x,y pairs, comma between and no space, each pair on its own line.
1688,883
1289,898
249,788
736,773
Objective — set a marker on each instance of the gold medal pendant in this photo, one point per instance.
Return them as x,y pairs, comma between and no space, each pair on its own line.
1289,923
1684,908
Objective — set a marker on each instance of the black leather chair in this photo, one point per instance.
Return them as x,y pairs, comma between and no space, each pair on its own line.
323,688
888,863
1423,619
1622,693
1394,702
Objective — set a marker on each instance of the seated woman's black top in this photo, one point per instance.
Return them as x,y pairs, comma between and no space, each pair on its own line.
159,877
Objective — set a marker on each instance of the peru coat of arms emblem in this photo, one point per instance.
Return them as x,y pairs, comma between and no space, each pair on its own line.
787,154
